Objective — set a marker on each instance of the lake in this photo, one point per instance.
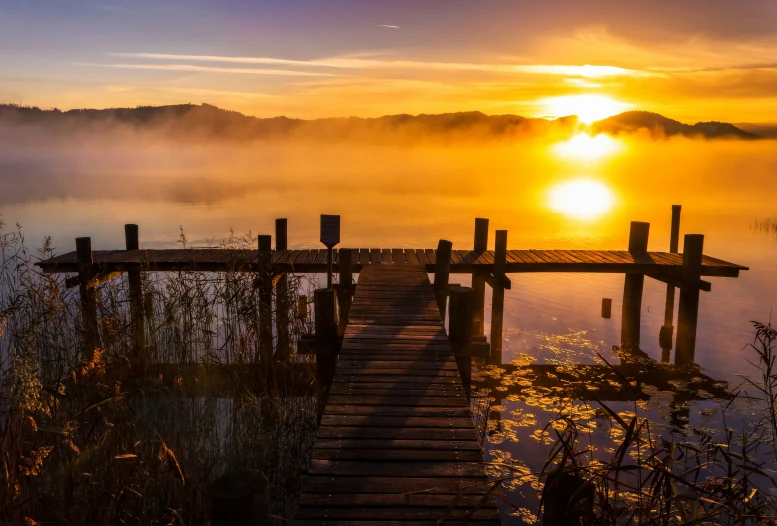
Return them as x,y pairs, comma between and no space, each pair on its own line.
575,194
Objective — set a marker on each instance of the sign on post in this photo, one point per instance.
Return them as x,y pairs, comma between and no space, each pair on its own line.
330,230
330,236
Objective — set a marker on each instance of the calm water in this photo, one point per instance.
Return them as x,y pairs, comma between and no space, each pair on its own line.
579,194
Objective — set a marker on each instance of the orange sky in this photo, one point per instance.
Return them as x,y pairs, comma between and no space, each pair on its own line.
700,60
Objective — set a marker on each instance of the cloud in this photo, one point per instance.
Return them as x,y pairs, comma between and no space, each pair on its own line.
385,25
347,62
208,69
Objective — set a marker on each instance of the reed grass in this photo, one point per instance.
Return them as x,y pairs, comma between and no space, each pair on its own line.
89,438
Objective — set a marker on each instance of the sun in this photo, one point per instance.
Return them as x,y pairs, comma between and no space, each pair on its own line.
588,108
581,198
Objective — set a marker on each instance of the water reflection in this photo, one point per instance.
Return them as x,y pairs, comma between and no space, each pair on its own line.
584,147
581,198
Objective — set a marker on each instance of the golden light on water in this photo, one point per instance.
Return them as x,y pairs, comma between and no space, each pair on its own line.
588,108
581,198
584,147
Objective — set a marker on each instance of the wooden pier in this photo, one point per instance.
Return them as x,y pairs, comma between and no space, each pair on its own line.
396,440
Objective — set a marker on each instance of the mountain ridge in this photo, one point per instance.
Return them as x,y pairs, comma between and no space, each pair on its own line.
205,120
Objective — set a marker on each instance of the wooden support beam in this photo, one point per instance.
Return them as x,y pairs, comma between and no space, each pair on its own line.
688,310
632,288
88,296
283,299
676,283
479,276
134,281
505,282
498,296
442,270
460,331
100,277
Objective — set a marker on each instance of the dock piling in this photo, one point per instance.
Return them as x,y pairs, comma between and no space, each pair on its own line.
132,242
498,296
479,276
632,288
326,334
667,330
442,269
282,294
265,298
345,286
86,272
688,309
460,331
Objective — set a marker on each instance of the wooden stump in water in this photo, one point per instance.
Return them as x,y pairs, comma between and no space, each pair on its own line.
567,500
240,498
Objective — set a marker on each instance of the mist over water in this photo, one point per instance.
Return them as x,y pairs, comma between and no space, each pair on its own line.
576,192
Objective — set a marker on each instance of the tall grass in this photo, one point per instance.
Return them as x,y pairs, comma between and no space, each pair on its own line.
91,440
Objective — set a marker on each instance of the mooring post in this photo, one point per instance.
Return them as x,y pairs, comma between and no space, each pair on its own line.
345,286
479,276
282,303
632,288
265,300
241,498
665,336
86,272
460,331
442,270
606,308
326,333
688,307
498,296
132,242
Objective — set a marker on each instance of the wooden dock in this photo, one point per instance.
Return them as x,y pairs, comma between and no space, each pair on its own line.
396,442
461,261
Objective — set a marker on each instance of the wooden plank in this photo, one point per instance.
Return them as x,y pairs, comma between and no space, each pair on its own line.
411,257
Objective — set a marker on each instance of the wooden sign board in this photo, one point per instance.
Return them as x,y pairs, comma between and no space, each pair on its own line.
330,230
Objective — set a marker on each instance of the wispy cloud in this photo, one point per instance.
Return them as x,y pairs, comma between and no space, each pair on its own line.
386,25
587,70
209,69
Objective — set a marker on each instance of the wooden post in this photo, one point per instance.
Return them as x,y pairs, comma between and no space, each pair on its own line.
606,308
498,296
283,348
132,242
326,332
665,336
265,300
688,309
241,498
88,295
345,286
460,330
442,269
479,276
302,307
632,288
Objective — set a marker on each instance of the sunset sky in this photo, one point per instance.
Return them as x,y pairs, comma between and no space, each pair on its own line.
691,60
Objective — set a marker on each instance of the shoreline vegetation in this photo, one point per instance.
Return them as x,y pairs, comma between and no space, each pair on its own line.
97,437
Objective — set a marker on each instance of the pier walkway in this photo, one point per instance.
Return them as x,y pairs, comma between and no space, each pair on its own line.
396,442
462,261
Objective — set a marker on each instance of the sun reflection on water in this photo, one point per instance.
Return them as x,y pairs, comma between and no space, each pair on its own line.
581,198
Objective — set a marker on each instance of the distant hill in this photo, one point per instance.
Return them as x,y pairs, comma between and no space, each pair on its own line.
765,130
191,121
660,126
